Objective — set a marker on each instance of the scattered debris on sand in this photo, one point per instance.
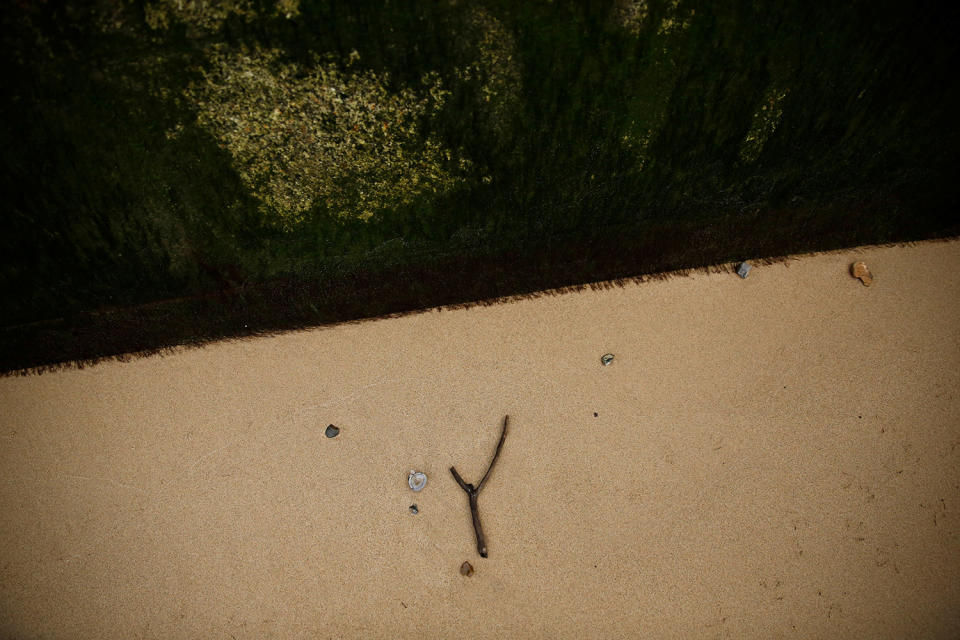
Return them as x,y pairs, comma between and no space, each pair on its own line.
414,510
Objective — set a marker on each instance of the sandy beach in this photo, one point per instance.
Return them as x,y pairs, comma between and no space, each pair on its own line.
774,457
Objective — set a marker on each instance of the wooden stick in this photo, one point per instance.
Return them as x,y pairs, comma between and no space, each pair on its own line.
472,491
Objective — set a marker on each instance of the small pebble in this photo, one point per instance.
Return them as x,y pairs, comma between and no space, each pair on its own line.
332,431
414,510
595,414
744,269
859,270
466,569
606,359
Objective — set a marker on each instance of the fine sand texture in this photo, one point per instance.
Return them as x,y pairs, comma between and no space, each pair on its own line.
774,457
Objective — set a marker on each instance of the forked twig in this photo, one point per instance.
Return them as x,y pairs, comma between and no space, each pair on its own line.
473,491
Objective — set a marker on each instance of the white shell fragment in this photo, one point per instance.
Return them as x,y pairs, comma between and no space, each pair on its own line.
417,480
744,269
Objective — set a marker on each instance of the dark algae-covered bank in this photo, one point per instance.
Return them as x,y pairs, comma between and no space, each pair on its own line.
178,170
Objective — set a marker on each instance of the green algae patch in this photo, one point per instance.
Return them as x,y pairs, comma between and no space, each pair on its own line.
323,134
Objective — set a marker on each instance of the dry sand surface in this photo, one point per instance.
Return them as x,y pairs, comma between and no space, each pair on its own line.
770,457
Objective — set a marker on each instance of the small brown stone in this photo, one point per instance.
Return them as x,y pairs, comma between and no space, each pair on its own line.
466,569
859,270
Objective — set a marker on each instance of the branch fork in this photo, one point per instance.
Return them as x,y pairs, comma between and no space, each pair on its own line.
473,491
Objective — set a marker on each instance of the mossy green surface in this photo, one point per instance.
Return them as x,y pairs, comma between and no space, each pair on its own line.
395,155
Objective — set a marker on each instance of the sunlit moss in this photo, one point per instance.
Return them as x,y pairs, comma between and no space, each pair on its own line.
495,67
631,14
210,14
303,135
498,60
764,123
677,18
650,102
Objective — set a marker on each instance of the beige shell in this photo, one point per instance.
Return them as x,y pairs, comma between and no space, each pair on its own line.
466,569
859,270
